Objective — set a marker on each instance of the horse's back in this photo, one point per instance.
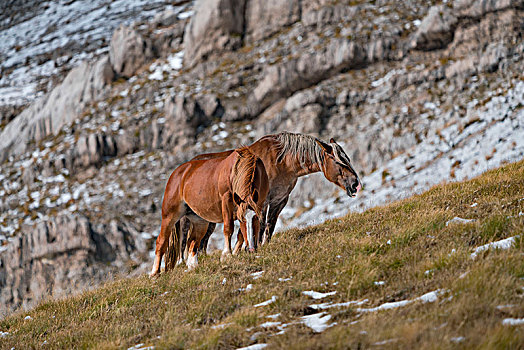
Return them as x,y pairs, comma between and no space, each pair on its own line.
207,156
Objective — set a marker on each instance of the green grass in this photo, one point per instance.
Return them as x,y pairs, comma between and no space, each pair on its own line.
179,309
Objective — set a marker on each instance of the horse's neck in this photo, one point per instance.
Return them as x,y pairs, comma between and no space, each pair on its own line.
269,144
309,169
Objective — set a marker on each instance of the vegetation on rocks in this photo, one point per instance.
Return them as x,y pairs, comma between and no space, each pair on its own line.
411,259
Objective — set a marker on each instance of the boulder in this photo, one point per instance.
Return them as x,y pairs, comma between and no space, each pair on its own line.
128,51
217,25
185,118
436,29
211,105
60,107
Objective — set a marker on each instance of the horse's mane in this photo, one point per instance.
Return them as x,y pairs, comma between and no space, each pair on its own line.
304,147
243,178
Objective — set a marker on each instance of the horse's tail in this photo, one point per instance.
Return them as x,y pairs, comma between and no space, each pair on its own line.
173,247
245,192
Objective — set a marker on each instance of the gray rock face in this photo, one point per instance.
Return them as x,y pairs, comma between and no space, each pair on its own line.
436,29
62,255
62,106
216,26
185,118
265,17
324,15
477,8
284,79
91,149
128,51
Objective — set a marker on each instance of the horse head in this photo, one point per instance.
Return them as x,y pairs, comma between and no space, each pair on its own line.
337,168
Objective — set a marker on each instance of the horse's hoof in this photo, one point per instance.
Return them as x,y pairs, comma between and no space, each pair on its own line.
154,276
224,257
192,262
251,250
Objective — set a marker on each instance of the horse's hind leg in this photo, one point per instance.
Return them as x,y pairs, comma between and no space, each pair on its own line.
185,227
166,228
198,231
203,243
161,243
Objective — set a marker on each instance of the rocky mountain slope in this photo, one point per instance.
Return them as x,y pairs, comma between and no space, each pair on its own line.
418,92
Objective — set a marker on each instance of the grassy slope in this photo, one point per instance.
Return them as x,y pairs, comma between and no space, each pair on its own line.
181,307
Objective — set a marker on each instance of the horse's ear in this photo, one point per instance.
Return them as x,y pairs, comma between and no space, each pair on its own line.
327,148
332,140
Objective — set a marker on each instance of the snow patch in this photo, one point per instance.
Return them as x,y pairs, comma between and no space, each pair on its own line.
267,302
317,322
457,220
318,295
280,279
426,298
270,324
502,244
141,346
330,305
513,321
257,275
221,326
254,347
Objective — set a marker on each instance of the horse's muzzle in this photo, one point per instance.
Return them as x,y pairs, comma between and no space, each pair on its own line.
353,190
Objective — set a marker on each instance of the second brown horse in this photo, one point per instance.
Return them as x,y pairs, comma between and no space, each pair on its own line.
216,190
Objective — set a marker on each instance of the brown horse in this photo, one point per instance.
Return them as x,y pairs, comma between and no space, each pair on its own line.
288,156
216,190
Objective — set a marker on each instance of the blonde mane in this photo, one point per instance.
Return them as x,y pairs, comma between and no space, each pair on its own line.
303,147
242,180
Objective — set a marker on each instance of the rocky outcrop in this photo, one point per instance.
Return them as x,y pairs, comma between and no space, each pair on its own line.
216,26
284,79
63,105
128,51
62,255
436,30
266,17
185,119
478,8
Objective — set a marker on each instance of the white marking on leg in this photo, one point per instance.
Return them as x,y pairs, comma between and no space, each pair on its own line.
155,265
250,233
192,261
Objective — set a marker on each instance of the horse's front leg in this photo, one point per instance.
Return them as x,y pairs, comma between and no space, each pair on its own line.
272,216
240,238
227,216
255,222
